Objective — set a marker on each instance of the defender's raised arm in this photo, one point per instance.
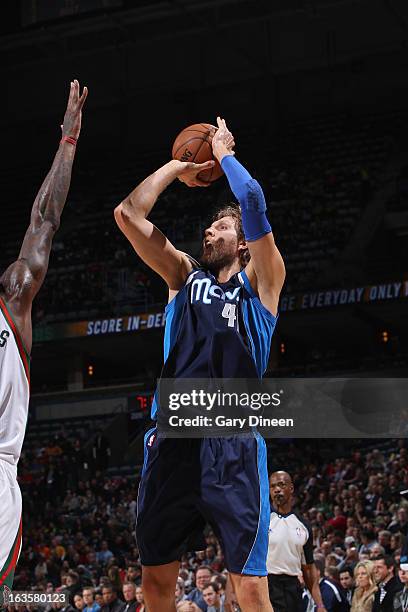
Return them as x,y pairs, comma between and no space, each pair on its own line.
23,278
26,279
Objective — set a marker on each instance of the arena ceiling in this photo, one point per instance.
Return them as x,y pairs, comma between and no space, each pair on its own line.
273,35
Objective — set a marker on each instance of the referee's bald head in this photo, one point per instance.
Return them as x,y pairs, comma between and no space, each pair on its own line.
280,474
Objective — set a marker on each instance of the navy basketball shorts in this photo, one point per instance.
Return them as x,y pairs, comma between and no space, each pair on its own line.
187,483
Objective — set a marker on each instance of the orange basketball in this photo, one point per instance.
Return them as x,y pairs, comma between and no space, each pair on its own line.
193,144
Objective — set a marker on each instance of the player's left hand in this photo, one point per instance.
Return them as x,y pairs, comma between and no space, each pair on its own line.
73,114
223,142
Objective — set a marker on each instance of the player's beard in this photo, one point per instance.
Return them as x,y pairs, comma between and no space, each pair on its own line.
218,256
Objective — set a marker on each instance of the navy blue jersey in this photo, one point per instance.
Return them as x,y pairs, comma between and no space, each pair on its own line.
216,330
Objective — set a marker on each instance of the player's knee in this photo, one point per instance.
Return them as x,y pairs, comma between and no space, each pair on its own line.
251,592
156,583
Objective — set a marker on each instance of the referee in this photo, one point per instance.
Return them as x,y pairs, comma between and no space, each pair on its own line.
290,551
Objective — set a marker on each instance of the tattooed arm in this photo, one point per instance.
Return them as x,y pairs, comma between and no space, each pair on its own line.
23,279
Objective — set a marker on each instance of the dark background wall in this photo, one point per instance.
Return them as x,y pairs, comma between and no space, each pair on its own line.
150,71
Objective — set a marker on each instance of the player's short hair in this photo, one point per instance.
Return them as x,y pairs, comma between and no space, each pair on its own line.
347,570
234,211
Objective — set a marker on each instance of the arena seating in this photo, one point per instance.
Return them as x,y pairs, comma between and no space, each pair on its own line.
65,526
318,176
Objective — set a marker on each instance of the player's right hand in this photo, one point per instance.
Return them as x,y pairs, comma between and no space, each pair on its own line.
73,114
189,172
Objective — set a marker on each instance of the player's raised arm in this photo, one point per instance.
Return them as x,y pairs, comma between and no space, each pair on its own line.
147,240
23,279
266,270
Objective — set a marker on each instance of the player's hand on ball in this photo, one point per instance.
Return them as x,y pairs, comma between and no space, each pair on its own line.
223,142
73,114
189,172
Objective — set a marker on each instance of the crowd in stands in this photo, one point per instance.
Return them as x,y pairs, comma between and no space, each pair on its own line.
79,535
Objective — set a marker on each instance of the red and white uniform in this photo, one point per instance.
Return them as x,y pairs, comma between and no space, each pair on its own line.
14,399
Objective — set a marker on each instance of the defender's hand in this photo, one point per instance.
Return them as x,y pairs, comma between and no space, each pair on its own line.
189,172
223,142
73,114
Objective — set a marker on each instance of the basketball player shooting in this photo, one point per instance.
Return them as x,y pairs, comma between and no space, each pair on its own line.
19,285
222,331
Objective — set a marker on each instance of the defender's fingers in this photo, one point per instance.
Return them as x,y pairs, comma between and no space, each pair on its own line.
71,88
82,99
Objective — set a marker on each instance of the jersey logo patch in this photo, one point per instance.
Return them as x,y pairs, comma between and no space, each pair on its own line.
4,335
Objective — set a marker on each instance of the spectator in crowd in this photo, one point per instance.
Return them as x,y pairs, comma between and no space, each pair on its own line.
129,595
79,603
134,574
334,598
346,577
73,585
90,604
384,540
363,598
104,554
388,584
401,598
111,601
203,578
180,590
400,525
65,536
377,551
64,607
114,578
368,540
99,598
140,600
210,555
212,598
351,558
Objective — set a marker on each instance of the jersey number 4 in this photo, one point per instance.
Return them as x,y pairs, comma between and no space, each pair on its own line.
228,312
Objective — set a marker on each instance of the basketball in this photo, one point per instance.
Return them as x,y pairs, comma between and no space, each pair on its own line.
193,144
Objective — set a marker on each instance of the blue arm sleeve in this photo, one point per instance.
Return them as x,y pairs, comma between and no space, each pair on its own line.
250,196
